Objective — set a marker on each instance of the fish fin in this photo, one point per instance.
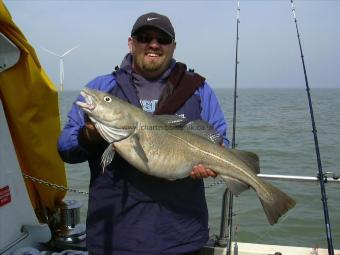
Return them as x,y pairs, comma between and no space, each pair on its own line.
235,186
205,130
107,156
249,158
275,203
138,148
171,120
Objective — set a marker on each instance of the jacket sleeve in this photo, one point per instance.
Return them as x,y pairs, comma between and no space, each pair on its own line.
211,111
69,147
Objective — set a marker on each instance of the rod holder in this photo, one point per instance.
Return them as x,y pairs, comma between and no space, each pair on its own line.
222,240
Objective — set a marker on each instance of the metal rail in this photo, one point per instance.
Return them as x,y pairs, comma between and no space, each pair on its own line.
297,178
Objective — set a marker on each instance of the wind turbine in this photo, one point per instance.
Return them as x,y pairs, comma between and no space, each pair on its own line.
61,62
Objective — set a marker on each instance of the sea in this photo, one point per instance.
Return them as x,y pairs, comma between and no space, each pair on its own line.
275,124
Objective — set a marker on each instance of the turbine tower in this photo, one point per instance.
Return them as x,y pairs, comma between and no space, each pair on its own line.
61,64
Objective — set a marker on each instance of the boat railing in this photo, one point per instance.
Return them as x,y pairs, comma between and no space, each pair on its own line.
329,177
223,240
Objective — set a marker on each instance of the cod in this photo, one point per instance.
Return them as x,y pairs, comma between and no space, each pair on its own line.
154,146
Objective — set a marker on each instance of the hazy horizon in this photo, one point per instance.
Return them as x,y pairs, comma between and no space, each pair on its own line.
205,34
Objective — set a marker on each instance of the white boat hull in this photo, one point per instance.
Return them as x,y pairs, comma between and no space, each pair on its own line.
265,249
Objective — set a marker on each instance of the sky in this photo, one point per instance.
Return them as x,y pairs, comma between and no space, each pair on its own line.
268,49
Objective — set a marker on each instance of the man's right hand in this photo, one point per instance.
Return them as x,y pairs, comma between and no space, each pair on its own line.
91,132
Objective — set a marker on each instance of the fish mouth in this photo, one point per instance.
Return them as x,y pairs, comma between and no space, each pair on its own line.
89,104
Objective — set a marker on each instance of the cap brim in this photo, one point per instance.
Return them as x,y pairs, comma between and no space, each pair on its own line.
152,26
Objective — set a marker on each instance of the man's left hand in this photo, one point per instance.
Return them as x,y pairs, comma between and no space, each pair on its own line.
199,172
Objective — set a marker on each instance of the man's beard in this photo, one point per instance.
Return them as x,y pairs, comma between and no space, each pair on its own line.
152,66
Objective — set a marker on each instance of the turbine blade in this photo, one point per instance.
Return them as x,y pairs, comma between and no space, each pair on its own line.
67,52
51,52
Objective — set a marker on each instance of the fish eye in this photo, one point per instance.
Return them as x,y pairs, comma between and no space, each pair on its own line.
107,99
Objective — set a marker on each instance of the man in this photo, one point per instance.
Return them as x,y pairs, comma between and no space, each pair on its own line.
129,212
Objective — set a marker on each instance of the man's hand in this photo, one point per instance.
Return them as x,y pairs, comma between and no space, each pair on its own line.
199,172
91,132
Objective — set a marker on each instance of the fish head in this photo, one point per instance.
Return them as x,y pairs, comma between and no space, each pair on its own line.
108,113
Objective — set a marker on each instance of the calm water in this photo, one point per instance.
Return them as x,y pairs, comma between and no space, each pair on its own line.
274,123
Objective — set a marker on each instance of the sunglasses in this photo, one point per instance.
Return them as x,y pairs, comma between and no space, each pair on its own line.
147,38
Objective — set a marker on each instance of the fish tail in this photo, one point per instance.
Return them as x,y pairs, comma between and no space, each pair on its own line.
275,203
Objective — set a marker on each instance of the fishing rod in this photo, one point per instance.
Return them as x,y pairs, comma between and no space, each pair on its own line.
321,175
225,237
233,141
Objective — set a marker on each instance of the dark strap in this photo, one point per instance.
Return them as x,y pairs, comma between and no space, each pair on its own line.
180,86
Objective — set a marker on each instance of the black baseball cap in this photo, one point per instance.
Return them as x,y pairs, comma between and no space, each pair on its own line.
156,20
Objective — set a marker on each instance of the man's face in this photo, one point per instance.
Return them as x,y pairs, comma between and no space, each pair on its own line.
152,51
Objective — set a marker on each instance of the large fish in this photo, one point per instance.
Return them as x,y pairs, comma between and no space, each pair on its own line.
156,148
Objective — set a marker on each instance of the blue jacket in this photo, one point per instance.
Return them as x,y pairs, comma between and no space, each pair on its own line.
133,213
